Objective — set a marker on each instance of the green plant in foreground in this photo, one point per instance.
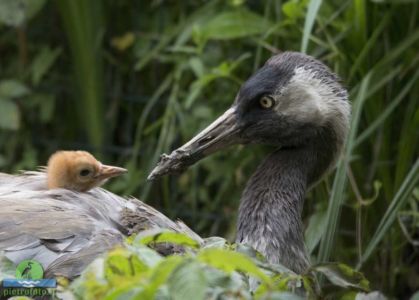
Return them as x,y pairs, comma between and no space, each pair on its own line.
214,270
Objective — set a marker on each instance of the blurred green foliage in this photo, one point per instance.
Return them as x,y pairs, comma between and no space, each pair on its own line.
129,80
212,271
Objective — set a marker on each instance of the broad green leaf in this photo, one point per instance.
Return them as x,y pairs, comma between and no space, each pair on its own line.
150,257
214,242
415,296
33,7
159,276
187,280
315,228
43,62
230,261
169,237
224,70
281,296
342,275
376,295
249,252
12,12
16,12
11,88
349,295
92,283
9,114
45,104
294,9
197,66
234,24
124,291
218,279
123,264
7,268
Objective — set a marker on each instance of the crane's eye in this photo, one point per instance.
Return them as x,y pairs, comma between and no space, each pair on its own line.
84,172
266,102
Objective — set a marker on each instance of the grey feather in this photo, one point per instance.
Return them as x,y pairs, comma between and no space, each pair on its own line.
66,230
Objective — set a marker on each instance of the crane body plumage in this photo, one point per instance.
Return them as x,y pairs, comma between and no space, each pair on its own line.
65,230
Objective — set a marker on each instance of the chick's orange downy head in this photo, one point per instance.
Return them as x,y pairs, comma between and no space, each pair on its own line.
78,170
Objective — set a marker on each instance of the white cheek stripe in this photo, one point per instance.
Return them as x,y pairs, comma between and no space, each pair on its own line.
308,99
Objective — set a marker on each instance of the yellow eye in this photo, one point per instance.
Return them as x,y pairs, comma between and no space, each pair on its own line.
266,102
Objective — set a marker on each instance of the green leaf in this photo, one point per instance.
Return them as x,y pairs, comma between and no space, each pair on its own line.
282,296
150,257
214,242
11,88
197,66
217,279
7,268
12,12
33,7
234,24
342,275
16,12
159,276
43,62
376,295
45,104
187,280
122,292
313,9
415,296
315,228
9,114
230,261
169,237
294,9
122,264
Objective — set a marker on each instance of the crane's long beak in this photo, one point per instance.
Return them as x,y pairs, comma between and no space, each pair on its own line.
106,172
223,132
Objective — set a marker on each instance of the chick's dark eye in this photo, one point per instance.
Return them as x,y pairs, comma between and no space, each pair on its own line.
84,172
266,102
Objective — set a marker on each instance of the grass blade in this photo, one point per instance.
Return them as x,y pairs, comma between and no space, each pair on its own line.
339,184
313,9
401,197
387,112
82,21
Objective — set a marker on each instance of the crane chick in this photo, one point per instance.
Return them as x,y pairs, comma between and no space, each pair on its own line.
78,171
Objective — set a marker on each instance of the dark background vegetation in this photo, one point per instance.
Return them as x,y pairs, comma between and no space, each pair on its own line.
129,80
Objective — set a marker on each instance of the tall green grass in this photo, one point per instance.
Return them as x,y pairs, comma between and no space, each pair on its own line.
83,26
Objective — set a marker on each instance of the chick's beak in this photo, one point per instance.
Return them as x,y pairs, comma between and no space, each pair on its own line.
106,172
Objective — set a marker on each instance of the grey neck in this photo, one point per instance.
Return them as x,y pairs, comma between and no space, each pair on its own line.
272,202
